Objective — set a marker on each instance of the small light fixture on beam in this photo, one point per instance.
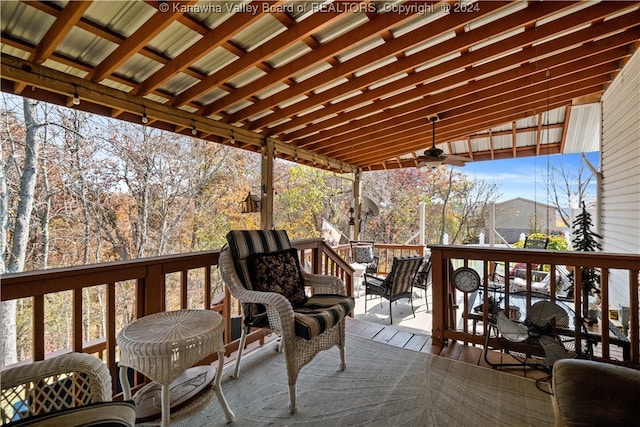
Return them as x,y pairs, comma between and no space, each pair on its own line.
433,164
145,119
76,98
233,139
194,131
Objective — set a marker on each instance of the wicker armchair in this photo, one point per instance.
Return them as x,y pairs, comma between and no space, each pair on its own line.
316,324
71,389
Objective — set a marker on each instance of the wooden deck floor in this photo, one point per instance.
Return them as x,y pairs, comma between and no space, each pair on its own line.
423,343
415,341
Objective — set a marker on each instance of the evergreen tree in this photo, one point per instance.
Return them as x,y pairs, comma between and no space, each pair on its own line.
585,241
585,238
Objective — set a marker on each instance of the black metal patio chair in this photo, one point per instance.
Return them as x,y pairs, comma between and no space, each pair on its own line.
422,279
397,284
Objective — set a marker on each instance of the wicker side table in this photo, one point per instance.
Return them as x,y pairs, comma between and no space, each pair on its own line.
163,345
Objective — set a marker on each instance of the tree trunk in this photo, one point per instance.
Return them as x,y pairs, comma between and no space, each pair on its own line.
27,189
7,309
44,213
20,235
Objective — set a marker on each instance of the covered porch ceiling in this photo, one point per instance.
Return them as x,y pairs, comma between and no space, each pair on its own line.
339,85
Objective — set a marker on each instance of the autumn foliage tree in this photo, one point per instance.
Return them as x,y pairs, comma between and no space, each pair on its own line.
101,190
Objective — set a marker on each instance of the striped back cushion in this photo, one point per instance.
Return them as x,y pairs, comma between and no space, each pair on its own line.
404,270
243,243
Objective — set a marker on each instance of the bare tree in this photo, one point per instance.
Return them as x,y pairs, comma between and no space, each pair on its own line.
470,202
17,247
564,186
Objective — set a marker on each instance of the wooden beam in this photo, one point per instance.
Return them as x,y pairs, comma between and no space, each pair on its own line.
568,61
67,19
58,87
167,13
250,59
320,53
213,39
350,66
409,119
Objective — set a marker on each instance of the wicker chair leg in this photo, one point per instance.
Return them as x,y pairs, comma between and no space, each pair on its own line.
292,398
243,340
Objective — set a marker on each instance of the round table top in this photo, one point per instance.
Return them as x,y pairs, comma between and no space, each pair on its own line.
164,344
170,326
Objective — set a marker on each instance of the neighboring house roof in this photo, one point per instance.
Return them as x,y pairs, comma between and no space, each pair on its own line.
523,200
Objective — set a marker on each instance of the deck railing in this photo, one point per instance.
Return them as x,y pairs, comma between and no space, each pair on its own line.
385,253
452,319
105,297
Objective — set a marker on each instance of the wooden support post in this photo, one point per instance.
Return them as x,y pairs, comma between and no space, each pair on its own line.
357,205
266,189
438,296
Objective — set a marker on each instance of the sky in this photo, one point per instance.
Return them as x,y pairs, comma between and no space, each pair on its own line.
525,177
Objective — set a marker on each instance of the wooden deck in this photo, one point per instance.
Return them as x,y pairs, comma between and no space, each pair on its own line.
415,341
422,342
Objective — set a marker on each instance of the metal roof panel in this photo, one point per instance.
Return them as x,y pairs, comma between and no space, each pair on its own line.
121,17
13,14
214,61
179,83
583,130
138,68
175,40
85,47
261,32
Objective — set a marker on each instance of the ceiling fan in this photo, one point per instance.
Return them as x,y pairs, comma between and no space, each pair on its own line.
434,157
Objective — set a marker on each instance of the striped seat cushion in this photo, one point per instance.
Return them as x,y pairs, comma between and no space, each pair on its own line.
320,313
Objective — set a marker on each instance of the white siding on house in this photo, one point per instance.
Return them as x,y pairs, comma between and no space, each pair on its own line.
620,200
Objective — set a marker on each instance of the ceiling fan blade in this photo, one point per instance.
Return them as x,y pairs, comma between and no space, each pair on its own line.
458,158
453,162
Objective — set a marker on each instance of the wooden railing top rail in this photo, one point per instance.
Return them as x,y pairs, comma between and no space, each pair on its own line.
315,243
383,246
584,259
40,282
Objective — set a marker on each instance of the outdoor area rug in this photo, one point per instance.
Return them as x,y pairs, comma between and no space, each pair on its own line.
381,386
